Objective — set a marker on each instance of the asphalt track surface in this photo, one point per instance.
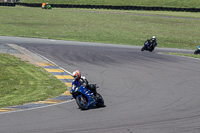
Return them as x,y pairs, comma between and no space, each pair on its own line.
144,92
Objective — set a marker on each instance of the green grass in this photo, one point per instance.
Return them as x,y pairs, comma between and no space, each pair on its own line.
21,82
115,28
166,13
162,3
187,55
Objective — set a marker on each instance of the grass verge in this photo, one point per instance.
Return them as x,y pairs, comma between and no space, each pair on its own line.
161,3
21,82
102,26
187,55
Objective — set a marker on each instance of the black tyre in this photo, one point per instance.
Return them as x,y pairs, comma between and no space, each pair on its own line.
100,101
196,52
142,49
82,102
151,49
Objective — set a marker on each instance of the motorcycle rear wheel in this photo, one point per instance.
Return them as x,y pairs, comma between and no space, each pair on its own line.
151,49
82,102
142,49
100,101
196,52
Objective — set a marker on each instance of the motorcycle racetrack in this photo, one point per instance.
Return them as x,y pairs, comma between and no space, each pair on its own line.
144,92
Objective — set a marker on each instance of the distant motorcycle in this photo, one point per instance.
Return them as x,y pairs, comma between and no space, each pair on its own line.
197,51
148,46
86,98
46,6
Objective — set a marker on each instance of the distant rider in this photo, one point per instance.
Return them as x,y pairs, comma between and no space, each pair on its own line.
153,41
81,81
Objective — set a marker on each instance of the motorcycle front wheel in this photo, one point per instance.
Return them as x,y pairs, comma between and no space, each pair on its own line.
82,102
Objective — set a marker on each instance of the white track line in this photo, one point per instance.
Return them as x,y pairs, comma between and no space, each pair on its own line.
51,62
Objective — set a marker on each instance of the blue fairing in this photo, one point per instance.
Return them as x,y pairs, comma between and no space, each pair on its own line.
147,44
198,48
88,94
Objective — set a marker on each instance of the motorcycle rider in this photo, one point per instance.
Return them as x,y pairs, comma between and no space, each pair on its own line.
81,81
150,44
153,41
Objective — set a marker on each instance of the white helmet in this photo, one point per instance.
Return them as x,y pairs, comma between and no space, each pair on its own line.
153,37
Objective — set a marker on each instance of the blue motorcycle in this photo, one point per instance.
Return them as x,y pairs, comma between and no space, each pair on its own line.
148,46
198,50
86,98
